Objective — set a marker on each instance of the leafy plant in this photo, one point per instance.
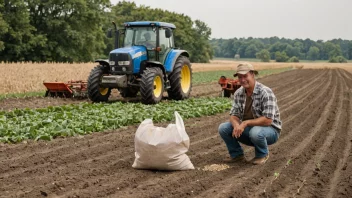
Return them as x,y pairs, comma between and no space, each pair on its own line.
84,118
276,175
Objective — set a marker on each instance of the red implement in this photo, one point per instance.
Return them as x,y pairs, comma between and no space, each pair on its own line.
229,86
67,90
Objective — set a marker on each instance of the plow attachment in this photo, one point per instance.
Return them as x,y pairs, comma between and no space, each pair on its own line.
228,86
71,89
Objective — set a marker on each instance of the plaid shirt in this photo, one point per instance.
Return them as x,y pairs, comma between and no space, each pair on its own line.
264,104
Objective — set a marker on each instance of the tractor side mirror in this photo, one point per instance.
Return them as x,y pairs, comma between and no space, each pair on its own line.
109,33
168,33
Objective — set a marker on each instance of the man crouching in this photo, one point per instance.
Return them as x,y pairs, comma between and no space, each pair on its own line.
254,118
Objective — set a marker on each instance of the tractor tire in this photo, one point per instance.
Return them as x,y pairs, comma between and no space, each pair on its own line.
152,85
180,79
128,92
225,93
95,92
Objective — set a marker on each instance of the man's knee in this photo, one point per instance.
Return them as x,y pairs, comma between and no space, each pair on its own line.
256,133
225,129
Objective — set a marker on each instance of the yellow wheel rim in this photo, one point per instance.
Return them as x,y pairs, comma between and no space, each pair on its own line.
158,84
185,78
103,91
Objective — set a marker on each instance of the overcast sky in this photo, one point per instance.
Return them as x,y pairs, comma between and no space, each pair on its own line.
314,19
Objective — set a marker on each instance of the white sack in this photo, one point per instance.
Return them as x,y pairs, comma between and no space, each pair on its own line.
162,148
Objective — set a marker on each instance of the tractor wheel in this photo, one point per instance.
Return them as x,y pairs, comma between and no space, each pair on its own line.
128,92
152,85
95,92
225,93
181,79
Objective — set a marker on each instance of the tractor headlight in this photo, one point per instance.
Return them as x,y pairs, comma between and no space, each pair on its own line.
112,62
124,62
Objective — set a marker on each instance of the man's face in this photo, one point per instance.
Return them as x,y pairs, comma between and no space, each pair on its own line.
147,37
246,80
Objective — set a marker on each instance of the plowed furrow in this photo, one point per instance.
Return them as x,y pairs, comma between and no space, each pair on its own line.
302,91
287,90
329,158
283,149
319,141
336,188
291,115
286,79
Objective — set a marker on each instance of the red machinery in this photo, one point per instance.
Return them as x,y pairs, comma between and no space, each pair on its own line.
71,89
229,86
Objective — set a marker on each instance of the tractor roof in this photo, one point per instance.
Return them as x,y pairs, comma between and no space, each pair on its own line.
150,23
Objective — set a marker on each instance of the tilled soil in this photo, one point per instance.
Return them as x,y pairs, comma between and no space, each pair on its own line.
313,157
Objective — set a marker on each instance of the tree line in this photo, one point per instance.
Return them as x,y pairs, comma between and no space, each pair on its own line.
75,30
282,49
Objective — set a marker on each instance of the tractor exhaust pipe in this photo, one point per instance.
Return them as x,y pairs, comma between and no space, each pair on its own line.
116,35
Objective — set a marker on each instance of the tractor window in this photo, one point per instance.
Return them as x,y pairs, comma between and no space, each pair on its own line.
146,36
140,36
128,37
165,43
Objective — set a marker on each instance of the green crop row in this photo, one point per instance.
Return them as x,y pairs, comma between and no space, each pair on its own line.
48,123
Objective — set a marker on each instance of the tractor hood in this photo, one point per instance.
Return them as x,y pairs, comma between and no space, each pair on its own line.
131,57
134,51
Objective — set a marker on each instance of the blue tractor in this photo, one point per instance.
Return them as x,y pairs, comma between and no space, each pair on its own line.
144,60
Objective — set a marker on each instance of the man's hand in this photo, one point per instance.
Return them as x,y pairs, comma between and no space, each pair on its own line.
238,130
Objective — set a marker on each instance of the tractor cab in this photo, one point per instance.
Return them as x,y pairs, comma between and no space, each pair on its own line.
156,37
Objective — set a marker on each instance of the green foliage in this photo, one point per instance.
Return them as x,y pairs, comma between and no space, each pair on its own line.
332,50
292,51
22,95
251,51
84,118
72,29
18,36
338,59
313,53
281,57
263,55
303,49
293,59
3,26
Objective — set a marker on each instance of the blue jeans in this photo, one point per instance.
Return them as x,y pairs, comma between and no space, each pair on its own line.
258,136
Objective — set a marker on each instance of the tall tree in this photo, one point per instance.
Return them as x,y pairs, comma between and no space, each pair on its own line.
204,52
18,36
313,53
263,55
250,51
292,51
332,50
73,29
3,26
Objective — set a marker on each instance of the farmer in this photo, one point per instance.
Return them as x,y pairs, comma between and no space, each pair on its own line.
147,42
254,118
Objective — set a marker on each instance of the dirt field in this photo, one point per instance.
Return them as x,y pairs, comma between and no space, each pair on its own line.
313,157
